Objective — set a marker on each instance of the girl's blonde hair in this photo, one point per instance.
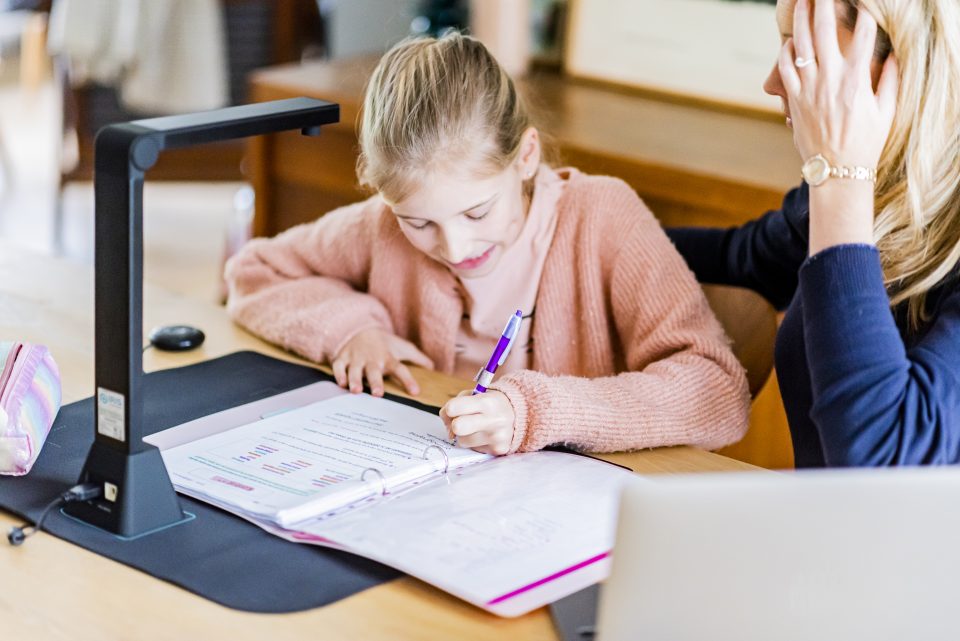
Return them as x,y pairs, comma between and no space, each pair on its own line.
437,103
917,197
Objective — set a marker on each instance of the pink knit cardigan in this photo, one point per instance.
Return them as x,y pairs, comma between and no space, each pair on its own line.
626,352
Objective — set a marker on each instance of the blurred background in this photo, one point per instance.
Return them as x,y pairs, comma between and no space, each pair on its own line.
69,67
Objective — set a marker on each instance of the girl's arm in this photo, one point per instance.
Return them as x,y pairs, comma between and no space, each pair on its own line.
763,255
684,385
875,401
304,289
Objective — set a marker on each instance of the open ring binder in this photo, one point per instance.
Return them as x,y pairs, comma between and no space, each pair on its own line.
383,493
446,459
383,481
426,457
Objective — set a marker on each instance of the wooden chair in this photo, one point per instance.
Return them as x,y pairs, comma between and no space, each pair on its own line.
751,322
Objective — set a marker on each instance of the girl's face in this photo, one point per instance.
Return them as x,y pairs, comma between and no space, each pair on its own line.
465,222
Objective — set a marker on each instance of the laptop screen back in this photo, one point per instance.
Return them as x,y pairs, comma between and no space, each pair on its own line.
846,555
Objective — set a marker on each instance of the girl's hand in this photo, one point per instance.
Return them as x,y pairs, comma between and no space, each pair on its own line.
833,106
483,422
374,353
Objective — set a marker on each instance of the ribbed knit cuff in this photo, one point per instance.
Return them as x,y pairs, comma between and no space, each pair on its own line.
514,394
840,271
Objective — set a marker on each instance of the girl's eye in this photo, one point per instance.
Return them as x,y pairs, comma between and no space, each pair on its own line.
478,216
422,225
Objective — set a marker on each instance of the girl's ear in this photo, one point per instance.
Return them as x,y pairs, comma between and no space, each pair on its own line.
528,160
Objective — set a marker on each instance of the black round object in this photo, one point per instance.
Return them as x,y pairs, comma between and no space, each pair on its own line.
16,536
176,338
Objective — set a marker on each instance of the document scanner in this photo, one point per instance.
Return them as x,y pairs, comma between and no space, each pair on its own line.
138,497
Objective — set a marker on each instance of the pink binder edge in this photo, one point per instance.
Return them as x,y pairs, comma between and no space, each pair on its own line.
548,579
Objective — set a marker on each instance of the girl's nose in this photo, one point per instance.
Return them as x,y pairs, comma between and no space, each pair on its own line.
454,249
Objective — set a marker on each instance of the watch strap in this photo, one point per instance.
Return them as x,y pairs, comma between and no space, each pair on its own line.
854,173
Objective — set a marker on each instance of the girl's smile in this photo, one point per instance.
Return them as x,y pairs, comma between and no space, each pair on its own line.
470,264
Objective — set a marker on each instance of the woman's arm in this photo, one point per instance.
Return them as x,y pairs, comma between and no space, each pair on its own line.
875,401
763,255
684,385
304,289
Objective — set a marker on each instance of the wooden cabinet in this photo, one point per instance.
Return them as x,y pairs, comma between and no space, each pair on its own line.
692,164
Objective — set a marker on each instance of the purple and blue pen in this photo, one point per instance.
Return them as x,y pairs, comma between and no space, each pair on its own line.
485,376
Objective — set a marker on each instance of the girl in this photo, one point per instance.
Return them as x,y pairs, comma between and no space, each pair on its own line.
618,348
864,255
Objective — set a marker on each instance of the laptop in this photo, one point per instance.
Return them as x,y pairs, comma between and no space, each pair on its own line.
843,555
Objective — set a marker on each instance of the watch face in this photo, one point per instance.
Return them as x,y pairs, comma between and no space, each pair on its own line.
816,170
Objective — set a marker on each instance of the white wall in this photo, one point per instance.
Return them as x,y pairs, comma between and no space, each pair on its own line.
366,26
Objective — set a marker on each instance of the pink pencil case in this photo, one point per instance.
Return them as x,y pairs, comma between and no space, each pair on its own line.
30,397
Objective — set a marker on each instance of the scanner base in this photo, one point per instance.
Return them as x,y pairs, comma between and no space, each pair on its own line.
143,499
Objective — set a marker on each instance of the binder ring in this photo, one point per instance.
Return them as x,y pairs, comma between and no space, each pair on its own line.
446,459
383,481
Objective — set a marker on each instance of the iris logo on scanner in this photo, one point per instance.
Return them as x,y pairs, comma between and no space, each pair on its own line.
110,399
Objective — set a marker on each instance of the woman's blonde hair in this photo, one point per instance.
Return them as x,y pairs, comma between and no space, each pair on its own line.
437,103
917,198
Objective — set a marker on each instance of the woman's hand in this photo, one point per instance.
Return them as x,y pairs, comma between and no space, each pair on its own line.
833,106
483,422
374,353
836,113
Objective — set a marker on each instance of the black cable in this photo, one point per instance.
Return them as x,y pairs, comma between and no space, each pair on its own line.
83,492
17,535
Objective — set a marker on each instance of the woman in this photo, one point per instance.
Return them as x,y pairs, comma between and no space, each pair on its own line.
864,254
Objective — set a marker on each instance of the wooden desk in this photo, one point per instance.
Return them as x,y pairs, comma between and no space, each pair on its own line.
54,591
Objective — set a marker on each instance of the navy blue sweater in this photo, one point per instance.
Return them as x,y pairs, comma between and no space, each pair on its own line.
859,387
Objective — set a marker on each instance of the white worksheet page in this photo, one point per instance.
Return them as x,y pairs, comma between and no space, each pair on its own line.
497,534
310,460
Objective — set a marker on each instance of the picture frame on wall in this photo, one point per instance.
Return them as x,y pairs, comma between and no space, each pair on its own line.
707,51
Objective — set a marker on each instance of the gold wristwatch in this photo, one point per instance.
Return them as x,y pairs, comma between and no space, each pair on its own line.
817,169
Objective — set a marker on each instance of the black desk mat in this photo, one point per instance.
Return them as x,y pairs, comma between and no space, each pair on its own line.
216,555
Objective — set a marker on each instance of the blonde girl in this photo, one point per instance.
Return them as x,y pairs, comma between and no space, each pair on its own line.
617,349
